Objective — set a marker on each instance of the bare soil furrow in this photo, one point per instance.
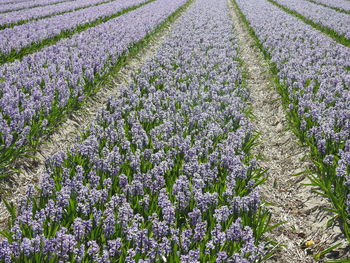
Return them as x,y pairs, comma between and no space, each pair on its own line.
293,202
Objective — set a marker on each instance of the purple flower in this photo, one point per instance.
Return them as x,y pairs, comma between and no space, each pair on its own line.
114,247
222,214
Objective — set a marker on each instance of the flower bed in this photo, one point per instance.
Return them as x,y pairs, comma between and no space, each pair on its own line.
164,173
39,90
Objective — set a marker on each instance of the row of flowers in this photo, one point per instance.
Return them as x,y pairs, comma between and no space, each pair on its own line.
326,17
164,173
341,4
24,5
38,90
15,17
314,74
6,2
18,37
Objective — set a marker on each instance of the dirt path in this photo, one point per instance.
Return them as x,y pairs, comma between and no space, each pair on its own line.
293,202
15,187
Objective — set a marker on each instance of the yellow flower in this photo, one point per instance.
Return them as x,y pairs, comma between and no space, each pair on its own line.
309,243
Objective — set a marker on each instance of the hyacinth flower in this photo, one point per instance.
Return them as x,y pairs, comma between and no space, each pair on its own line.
314,80
164,173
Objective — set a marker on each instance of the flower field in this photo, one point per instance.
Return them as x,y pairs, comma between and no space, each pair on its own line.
19,37
29,4
168,170
59,76
340,5
9,19
324,16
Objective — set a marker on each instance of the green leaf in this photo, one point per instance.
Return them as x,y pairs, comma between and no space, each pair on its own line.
324,252
11,208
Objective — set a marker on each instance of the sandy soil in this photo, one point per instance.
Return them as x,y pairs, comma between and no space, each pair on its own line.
293,202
